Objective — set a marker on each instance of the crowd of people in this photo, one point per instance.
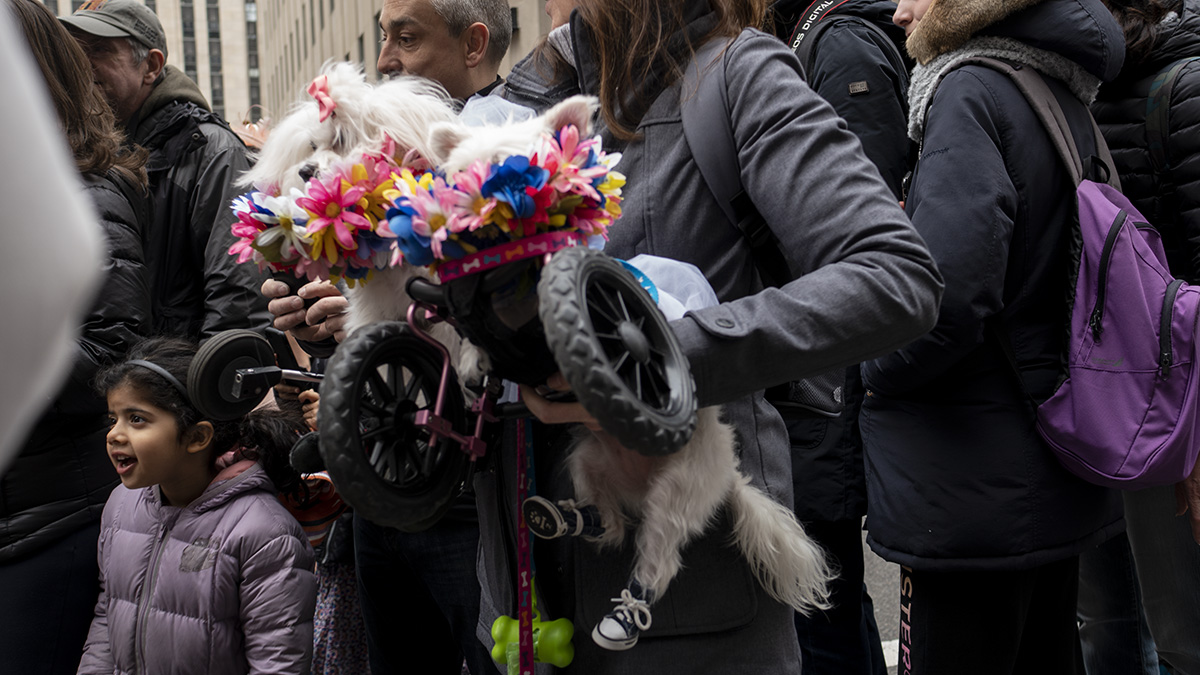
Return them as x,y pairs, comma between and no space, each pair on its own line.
925,221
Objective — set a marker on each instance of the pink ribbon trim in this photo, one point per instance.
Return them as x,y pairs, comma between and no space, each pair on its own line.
491,258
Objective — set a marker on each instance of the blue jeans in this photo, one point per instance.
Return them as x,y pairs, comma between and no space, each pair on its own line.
420,598
844,639
1168,565
1113,631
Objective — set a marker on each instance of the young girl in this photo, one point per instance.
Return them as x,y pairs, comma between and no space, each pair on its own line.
202,569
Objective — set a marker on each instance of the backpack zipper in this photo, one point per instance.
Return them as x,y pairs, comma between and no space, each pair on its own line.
1109,242
1165,357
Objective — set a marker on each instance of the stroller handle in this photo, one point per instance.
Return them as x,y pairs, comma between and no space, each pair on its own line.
424,290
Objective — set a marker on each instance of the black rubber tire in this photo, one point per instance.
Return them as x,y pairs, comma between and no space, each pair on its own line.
643,394
414,484
211,374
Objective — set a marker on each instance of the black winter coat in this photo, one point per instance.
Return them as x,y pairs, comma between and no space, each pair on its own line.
827,462
198,289
1171,201
957,476
61,480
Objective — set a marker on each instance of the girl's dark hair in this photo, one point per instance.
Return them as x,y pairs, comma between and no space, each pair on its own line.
265,435
1140,21
632,42
96,141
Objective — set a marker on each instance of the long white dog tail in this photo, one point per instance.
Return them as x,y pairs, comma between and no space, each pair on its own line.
787,563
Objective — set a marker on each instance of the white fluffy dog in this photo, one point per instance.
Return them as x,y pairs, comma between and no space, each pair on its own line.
347,118
674,498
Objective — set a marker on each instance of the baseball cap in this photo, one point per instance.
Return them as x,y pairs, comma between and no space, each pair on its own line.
119,18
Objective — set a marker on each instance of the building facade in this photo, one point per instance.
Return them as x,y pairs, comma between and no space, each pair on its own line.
254,58
303,34
215,42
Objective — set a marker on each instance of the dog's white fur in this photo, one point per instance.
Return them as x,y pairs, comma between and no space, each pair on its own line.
402,109
673,498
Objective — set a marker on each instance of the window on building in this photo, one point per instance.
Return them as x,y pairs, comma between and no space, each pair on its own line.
187,14
361,53
321,14
152,5
378,38
252,59
312,23
218,95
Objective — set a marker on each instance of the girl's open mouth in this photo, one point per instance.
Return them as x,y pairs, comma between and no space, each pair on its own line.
124,463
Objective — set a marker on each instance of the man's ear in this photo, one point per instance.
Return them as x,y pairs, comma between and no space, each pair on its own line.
200,436
475,42
155,61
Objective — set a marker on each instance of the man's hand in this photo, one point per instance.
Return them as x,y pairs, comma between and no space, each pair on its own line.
310,402
1187,498
557,413
326,317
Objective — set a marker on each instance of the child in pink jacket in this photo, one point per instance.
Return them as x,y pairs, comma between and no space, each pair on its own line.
202,569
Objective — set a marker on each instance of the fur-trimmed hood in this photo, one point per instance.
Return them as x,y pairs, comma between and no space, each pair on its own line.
1081,30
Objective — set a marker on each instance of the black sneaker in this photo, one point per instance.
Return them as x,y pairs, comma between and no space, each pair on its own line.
620,628
548,520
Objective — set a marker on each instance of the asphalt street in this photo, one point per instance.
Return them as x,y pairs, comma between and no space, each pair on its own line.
883,583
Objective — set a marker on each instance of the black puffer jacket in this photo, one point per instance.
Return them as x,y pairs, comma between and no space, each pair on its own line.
198,289
876,107
1171,202
61,480
957,476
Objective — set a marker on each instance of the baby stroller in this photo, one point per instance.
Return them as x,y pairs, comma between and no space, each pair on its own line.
396,432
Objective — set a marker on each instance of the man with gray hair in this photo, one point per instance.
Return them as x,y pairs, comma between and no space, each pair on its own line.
196,288
458,43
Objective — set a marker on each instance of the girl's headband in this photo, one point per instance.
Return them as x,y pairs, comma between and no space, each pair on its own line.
166,375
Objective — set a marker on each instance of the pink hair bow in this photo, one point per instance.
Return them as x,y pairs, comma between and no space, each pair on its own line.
319,89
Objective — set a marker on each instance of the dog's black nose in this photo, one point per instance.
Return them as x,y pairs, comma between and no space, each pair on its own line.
307,172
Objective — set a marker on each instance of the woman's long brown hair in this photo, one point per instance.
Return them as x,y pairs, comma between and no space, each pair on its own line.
85,116
1140,21
630,40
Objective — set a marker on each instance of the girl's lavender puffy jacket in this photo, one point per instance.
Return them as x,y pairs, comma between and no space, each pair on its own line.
224,585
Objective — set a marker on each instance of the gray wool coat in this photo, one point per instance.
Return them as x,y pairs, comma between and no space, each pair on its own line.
224,585
867,285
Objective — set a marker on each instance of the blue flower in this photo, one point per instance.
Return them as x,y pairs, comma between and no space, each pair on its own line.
415,247
508,182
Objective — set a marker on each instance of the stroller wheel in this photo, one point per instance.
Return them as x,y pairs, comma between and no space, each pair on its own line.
380,461
617,351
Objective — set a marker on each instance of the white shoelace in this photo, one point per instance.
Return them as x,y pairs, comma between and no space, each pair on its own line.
569,505
633,609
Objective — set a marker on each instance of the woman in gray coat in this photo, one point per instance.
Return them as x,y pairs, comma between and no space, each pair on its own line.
865,284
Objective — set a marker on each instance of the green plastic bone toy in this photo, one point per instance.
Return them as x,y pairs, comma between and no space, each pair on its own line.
551,640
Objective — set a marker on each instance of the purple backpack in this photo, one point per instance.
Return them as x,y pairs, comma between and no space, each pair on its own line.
1128,413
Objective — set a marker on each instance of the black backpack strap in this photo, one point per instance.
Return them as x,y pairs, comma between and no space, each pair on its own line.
1158,113
706,127
806,47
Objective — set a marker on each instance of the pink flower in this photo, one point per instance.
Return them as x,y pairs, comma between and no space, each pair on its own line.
475,210
334,223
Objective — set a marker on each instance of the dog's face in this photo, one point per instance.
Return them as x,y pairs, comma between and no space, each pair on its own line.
353,118
458,145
